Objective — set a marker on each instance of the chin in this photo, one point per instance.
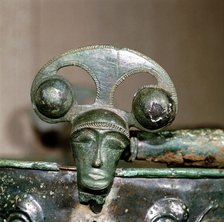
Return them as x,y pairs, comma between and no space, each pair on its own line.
95,186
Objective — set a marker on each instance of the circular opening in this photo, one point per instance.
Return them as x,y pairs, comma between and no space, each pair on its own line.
83,84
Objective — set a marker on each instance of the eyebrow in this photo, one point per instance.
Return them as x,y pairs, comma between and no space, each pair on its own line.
120,135
79,132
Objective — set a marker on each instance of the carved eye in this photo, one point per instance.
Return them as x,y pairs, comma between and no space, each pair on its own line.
85,136
153,108
54,98
83,140
116,140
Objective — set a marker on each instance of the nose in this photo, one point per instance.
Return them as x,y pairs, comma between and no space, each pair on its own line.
97,161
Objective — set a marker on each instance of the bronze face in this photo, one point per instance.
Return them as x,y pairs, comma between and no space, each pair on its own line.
97,153
97,145
100,132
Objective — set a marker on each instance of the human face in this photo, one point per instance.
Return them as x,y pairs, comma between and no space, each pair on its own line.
97,153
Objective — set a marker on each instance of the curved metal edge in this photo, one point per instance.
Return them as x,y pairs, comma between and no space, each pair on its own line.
141,63
194,173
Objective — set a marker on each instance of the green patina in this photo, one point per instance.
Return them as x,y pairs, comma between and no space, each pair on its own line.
195,173
101,135
29,165
195,147
100,132
124,172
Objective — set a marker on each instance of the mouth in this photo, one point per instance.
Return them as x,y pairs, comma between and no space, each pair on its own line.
96,179
97,174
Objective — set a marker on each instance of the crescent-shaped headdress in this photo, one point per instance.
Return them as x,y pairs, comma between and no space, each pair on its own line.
153,107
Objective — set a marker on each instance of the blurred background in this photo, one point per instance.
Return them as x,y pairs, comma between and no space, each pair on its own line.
184,36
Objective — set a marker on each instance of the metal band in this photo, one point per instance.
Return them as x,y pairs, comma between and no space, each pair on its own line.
102,125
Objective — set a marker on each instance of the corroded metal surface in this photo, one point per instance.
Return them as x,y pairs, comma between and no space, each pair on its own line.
38,165
194,173
36,192
54,191
100,132
54,195
196,147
